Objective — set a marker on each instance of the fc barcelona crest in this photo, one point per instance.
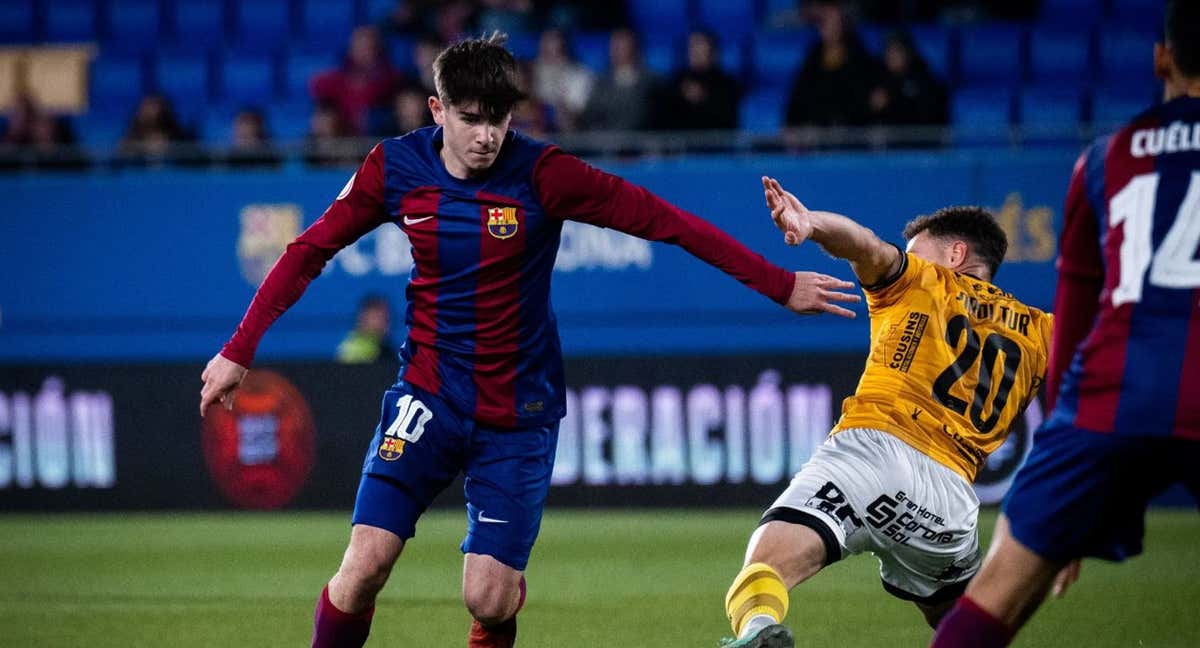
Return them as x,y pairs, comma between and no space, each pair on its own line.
391,449
502,221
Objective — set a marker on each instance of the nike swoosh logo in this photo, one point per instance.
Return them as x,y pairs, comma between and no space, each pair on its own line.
409,220
484,518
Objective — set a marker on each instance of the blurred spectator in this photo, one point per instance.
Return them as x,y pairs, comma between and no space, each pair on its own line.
36,137
508,16
424,53
837,77
455,20
703,96
153,131
370,339
365,80
559,80
582,15
909,94
531,115
625,97
409,111
251,144
326,144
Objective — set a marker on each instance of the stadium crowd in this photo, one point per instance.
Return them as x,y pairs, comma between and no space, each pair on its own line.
240,84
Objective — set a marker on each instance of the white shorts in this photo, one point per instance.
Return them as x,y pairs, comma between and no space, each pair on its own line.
866,490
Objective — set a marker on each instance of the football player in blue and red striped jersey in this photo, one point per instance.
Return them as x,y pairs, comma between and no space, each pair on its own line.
481,388
1124,374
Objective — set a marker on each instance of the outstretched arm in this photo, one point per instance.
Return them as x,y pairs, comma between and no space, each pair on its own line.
358,210
872,259
570,189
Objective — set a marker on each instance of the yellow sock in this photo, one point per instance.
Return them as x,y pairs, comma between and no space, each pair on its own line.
758,589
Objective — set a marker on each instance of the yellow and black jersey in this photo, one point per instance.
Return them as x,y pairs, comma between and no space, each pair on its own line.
954,360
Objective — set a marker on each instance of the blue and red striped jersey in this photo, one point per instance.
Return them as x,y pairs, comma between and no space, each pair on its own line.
482,333
1127,312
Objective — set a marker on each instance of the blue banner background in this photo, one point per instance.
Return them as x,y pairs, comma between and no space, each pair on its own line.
145,265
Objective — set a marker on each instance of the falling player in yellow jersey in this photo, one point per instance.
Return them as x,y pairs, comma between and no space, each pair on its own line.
953,361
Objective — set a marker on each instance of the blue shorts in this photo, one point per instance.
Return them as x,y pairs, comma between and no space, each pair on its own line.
1082,494
422,444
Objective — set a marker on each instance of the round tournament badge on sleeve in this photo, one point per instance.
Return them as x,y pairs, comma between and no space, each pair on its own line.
260,453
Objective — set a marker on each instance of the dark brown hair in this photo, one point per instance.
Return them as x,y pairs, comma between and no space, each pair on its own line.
974,225
1182,29
479,70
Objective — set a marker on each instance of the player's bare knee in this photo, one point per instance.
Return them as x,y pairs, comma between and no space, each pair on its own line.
489,601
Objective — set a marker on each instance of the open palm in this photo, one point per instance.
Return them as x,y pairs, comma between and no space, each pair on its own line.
790,215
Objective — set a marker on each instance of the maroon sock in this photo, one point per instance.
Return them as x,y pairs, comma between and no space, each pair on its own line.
333,628
501,635
970,626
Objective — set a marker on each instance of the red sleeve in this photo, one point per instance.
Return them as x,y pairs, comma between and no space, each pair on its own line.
570,189
1080,280
358,210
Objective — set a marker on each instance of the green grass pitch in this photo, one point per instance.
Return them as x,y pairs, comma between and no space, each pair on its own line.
650,578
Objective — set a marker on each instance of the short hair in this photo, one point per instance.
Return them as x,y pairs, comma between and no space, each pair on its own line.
1182,30
975,225
479,70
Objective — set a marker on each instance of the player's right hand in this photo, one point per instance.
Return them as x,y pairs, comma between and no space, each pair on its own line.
816,293
790,215
221,378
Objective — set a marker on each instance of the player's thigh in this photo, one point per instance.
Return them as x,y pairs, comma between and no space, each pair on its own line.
1083,494
490,588
793,548
417,450
371,553
507,479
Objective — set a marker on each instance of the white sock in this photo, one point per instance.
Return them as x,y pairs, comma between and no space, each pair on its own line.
756,623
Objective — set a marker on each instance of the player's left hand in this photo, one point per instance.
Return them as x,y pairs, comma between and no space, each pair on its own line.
221,379
790,215
1065,578
816,293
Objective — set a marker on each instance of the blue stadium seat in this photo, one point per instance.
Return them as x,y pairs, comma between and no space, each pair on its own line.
1051,112
184,78
1126,57
1060,57
289,120
216,125
993,54
1069,13
935,45
1142,15
661,57
262,25
730,20
591,49
873,37
133,25
1111,108
762,111
198,22
248,79
116,83
376,10
70,20
778,55
326,22
733,56
101,130
299,69
524,45
667,20
981,115
16,21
